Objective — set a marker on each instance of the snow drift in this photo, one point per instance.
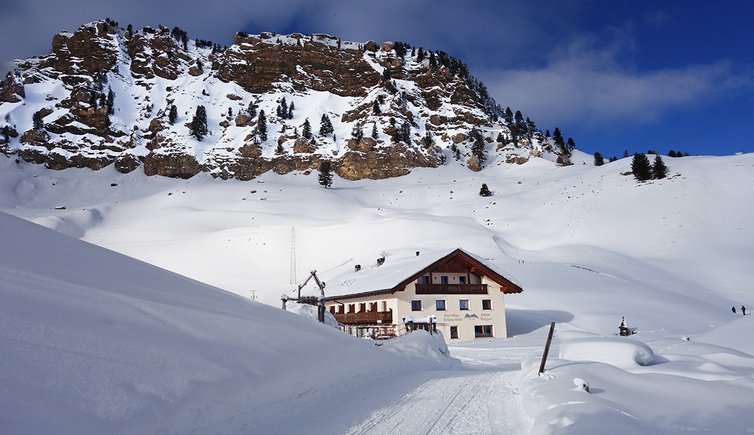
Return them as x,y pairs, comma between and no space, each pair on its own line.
95,342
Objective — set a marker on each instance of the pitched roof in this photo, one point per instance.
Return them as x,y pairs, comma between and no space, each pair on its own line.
396,273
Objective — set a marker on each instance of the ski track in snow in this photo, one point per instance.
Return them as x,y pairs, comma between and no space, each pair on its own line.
467,403
480,400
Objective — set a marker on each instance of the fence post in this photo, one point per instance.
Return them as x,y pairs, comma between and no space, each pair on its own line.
547,349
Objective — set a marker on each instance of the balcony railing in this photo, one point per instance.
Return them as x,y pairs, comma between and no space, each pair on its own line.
364,318
451,289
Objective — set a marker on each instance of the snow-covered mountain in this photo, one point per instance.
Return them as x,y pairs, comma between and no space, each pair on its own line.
107,95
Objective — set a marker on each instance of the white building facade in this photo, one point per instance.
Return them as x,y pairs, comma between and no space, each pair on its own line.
462,293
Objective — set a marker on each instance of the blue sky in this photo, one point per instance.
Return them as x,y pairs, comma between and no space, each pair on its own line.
613,75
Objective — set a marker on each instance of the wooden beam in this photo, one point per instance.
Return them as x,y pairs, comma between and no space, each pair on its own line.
547,349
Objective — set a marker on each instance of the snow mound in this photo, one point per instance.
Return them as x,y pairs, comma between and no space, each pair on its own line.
735,335
95,342
420,344
619,352
310,312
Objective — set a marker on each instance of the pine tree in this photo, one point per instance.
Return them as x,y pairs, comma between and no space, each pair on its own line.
6,134
282,109
262,126
252,110
36,120
570,145
198,126
290,110
306,130
672,153
659,170
357,133
173,114
420,54
598,159
406,132
640,167
376,108
325,173
110,103
557,137
374,131
477,147
485,191
325,126
386,74
428,140
508,116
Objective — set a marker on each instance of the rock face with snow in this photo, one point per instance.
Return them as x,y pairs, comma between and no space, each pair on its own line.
107,95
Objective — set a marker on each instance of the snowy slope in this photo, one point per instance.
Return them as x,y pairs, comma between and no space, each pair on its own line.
587,244
93,342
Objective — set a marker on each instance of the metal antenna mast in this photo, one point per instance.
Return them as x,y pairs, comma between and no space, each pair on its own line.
293,256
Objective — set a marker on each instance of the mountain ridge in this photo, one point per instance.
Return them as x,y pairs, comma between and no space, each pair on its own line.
107,95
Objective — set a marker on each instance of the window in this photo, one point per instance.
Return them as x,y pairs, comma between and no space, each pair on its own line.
454,332
443,279
461,280
483,331
416,305
463,304
440,304
486,304
424,279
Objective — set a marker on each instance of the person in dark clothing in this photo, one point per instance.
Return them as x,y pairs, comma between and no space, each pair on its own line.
743,310
733,309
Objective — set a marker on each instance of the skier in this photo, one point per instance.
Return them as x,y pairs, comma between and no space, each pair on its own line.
733,309
743,310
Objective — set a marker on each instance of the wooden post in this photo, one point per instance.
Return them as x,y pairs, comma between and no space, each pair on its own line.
547,349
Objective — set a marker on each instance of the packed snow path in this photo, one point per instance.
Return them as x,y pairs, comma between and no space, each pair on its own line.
482,399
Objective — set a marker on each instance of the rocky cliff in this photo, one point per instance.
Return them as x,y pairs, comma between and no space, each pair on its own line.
157,100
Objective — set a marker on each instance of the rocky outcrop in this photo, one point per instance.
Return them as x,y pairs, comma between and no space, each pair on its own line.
157,53
257,62
171,165
11,89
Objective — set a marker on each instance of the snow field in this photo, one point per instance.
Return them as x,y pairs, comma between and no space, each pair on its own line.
587,244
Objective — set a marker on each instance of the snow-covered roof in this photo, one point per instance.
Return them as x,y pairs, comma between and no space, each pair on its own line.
395,272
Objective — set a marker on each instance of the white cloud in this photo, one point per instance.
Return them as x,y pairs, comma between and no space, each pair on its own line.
589,85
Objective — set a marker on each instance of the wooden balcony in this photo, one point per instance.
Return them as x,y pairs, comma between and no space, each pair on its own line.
365,318
451,289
